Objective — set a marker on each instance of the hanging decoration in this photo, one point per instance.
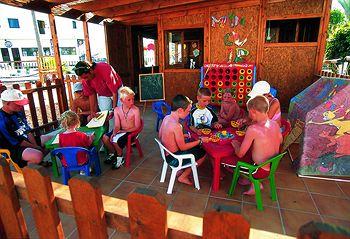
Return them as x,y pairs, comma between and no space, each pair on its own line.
221,21
241,53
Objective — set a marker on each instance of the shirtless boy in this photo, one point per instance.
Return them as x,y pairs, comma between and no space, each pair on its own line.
172,137
229,109
126,120
263,137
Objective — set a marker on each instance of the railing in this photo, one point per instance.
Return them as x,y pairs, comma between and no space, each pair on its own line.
337,68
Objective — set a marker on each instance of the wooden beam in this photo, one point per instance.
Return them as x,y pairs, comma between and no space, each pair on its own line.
96,5
143,7
60,1
261,36
184,8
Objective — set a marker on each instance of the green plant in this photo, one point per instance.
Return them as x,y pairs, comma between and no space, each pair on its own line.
337,18
338,45
346,6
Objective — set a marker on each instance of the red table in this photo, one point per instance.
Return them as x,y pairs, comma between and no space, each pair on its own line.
218,152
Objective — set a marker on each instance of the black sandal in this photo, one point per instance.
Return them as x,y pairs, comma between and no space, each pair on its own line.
110,159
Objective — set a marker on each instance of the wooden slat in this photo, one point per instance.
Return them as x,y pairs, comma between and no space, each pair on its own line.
88,207
42,201
96,5
32,108
51,101
10,209
42,103
148,214
235,225
143,7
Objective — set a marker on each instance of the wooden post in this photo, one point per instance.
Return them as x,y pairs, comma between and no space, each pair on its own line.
41,102
322,230
42,201
225,222
147,214
87,40
62,98
88,207
10,209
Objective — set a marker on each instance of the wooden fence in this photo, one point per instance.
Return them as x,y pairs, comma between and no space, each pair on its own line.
144,214
331,74
42,116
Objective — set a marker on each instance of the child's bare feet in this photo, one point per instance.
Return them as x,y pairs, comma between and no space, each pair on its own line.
251,190
243,181
184,180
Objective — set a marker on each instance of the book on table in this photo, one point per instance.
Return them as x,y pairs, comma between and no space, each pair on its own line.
99,120
57,140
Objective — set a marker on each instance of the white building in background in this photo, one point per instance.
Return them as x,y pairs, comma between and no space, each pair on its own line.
18,41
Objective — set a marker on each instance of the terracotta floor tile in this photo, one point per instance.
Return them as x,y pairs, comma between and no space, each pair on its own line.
156,182
331,206
345,187
265,196
338,222
204,183
219,201
267,220
169,198
120,173
289,181
293,220
285,165
189,203
223,190
142,175
289,199
68,223
323,187
75,234
120,235
152,163
29,219
107,184
125,188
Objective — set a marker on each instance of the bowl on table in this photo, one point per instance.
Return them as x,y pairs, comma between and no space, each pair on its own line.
206,131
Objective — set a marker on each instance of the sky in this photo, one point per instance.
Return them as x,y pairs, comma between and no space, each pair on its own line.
336,5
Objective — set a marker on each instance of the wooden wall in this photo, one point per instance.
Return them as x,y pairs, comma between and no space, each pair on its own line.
290,67
287,66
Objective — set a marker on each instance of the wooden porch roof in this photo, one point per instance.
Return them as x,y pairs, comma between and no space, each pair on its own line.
120,10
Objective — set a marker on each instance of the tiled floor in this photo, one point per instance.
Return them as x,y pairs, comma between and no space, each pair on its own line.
299,201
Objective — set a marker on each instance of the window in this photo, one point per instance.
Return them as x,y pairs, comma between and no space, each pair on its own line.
47,51
184,49
30,51
68,51
292,30
13,22
74,24
5,54
41,26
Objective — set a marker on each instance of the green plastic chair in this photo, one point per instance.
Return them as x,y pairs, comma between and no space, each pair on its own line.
256,182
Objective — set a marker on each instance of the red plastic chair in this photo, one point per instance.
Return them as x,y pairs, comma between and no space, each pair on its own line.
286,127
133,138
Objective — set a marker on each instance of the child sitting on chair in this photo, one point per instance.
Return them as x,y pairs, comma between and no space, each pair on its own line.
229,109
73,138
126,120
202,116
263,137
172,137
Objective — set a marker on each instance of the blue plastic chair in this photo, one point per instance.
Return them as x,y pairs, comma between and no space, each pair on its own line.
158,107
70,156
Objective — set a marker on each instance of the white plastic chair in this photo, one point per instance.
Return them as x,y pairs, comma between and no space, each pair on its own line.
180,158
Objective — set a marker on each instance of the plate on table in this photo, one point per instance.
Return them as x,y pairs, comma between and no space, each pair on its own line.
225,137
240,133
206,131
214,139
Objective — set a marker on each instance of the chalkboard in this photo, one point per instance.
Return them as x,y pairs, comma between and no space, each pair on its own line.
151,87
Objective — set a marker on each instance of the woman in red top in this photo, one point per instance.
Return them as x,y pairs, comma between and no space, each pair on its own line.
73,138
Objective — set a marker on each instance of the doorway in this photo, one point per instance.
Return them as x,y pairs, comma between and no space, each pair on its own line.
16,57
144,51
